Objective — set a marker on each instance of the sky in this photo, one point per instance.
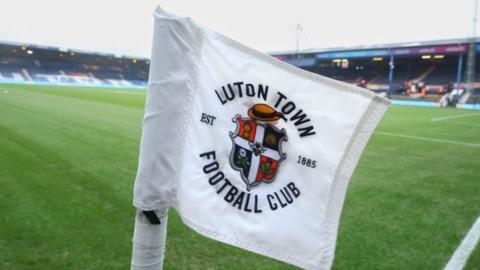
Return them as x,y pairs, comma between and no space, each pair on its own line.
124,27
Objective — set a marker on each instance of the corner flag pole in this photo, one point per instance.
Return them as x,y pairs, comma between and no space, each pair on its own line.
149,239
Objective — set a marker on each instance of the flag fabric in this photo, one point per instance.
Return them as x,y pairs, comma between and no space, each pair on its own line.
249,150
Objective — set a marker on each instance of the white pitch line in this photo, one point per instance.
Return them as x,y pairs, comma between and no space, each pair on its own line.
427,139
129,93
453,117
460,257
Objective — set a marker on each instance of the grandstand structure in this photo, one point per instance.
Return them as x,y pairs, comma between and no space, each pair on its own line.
433,72
26,63
416,71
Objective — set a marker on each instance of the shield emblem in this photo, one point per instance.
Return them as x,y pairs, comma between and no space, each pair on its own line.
256,150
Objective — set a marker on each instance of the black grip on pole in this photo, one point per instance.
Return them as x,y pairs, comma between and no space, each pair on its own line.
152,217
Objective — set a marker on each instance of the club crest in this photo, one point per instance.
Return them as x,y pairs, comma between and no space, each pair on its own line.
257,145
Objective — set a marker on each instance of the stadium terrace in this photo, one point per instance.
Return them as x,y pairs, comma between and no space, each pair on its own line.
419,72
430,73
25,63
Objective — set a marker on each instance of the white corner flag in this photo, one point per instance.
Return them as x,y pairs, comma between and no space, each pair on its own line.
249,150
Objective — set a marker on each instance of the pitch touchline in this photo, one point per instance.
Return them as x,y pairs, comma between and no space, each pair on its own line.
453,116
459,258
126,92
427,139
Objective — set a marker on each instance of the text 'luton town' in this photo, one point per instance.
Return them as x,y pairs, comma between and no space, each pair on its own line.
291,112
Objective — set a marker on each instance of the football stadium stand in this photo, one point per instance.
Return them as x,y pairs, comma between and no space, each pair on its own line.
24,63
431,72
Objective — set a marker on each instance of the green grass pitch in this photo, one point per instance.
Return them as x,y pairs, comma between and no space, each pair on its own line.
68,159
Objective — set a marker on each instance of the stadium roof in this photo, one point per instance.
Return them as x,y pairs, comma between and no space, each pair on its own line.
381,46
60,49
350,48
